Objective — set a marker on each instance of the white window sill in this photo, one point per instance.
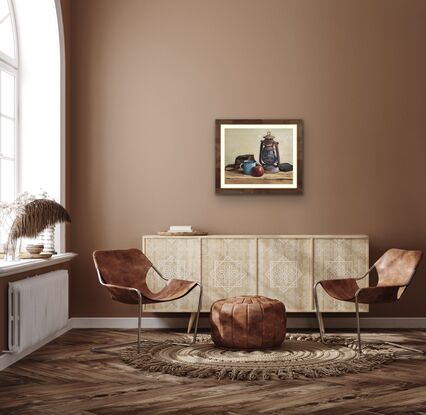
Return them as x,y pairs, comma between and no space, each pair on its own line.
8,268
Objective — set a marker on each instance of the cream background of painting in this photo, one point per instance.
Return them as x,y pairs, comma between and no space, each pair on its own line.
285,272
239,141
174,258
340,258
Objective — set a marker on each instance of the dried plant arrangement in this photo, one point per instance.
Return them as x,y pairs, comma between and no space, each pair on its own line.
9,211
30,216
35,217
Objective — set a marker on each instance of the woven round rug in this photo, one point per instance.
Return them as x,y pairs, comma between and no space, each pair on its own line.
300,356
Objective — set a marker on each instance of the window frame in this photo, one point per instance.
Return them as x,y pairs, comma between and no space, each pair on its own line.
11,66
14,62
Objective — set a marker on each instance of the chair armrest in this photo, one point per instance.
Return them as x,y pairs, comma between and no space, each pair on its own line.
121,287
368,272
159,273
124,294
380,294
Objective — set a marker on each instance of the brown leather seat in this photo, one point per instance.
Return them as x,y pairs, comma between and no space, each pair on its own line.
395,270
129,268
124,272
248,322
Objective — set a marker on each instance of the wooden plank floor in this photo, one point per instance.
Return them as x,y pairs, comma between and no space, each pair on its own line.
65,377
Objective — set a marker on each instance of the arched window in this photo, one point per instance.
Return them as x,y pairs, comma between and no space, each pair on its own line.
32,102
8,102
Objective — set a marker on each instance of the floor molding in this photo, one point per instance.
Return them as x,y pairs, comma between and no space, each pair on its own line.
292,322
7,359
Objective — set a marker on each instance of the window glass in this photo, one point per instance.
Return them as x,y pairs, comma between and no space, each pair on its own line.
7,186
7,94
7,41
7,137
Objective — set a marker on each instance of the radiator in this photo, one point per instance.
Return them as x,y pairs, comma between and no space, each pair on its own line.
38,307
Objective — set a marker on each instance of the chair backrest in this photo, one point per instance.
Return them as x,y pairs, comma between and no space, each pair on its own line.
126,267
397,267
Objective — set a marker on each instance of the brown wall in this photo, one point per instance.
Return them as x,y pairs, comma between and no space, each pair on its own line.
150,77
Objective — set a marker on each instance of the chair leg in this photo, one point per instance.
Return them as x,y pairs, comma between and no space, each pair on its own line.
139,323
400,346
319,315
200,298
191,321
358,325
105,349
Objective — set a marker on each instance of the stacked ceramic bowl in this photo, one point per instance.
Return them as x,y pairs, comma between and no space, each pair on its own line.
35,249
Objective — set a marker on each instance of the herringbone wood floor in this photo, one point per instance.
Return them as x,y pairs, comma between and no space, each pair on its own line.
65,377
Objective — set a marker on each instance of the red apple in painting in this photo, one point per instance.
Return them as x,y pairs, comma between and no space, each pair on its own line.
257,171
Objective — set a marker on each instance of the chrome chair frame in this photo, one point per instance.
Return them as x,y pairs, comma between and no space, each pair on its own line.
104,349
358,323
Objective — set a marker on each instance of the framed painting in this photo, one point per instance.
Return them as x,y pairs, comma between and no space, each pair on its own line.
259,156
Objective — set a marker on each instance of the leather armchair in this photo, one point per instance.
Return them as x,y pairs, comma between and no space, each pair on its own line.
395,270
124,272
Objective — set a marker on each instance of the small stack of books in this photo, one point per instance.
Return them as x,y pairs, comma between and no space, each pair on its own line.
180,229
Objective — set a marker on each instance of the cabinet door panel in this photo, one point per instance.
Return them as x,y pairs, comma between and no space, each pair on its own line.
340,258
174,258
285,272
229,268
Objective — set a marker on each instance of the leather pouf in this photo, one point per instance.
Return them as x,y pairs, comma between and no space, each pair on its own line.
248,322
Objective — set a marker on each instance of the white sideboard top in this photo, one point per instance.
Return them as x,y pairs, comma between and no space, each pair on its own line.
262,236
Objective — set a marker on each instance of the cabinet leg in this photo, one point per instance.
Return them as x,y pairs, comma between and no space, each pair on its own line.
191,322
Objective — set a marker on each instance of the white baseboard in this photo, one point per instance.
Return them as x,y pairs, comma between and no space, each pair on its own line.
292,322
7,359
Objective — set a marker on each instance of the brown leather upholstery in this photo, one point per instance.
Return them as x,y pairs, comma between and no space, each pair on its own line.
342,289
248,322
129,268
395,268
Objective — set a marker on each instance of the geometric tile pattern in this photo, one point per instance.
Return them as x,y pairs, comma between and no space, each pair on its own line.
339,268
174,258
172,267
285,271
340,258
283,275
281,268
228,268
228,274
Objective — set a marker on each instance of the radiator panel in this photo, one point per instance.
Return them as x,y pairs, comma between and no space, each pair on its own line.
38,308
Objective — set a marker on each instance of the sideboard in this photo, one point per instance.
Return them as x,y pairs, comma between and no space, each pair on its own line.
284,267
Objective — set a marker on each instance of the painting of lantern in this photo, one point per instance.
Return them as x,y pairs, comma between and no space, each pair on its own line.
259,156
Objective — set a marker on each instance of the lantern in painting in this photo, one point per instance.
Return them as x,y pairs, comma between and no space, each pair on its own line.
269,155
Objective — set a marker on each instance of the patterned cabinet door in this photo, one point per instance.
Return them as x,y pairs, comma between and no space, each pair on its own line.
340,258
285,272
174,258
228,268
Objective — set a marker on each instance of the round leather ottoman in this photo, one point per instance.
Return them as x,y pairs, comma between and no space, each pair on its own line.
248,322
